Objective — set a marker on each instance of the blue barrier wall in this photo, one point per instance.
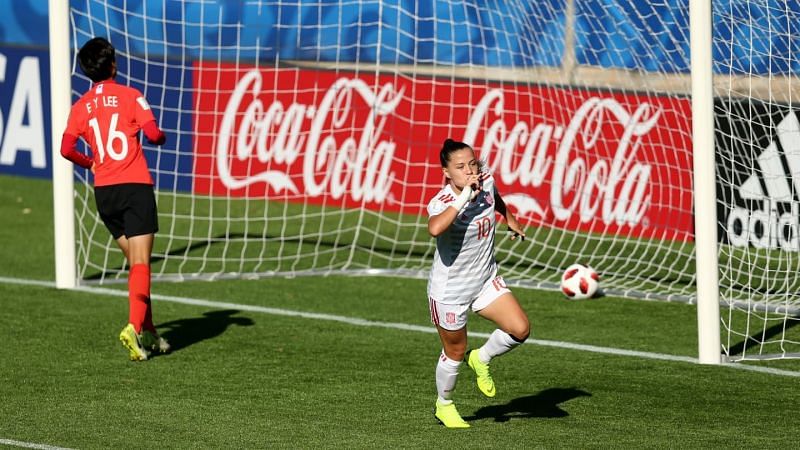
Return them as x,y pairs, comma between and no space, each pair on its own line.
637,35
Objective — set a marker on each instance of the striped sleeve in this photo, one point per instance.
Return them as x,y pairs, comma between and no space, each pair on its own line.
439,203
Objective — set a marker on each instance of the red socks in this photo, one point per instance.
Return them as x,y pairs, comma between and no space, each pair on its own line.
139,297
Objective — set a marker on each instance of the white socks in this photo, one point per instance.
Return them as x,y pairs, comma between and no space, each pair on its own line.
499,342
446,376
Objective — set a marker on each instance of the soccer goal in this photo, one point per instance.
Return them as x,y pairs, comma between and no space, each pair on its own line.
303,139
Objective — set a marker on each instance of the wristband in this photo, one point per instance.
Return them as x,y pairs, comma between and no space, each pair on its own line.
463,198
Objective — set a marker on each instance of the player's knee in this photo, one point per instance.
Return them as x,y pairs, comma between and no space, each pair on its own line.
456,351
520,331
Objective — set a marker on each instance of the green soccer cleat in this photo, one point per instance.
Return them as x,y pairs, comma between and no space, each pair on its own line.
131,341
449,416
482,375
153,342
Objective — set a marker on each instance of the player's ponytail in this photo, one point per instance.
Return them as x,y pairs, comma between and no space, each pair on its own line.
448,148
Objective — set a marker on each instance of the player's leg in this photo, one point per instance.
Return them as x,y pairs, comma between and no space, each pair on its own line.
498,304
450,321
122,243
454,344
141,224
137,250
147,323
111,206
140,250
513,326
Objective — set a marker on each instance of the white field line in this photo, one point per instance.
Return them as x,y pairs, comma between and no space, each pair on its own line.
22,444
393,325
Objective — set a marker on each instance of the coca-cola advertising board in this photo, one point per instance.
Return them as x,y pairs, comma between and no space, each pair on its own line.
570,158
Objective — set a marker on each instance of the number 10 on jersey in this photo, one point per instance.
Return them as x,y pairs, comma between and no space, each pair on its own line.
484,227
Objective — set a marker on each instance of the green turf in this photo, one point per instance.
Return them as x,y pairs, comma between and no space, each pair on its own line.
254,380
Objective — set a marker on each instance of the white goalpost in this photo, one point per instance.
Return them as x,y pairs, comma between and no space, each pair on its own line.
303,139
705,235
60,101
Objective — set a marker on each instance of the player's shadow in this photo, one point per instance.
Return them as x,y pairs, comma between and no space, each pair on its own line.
182,333
543,404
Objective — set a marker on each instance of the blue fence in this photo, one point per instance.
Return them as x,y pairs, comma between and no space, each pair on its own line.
648,35
639,35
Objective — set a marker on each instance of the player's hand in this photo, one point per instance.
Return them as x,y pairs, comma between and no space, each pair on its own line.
474,182
92,168
515,228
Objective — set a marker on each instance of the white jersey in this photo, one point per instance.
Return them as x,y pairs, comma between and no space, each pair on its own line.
464,259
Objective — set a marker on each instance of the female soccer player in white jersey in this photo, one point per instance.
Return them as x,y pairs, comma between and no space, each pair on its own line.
464,275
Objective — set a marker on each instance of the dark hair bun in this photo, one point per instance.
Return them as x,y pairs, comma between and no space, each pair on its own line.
449,147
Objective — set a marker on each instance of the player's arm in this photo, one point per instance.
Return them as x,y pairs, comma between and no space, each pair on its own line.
143,115
154,134
70,151
501,207
439,223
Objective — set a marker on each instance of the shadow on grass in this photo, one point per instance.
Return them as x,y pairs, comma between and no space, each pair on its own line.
544,404
762,336
182,333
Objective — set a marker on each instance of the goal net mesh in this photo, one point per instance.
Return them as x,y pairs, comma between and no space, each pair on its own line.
303,138
758,175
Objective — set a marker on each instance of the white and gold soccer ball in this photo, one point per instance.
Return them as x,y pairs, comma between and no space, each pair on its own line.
579,282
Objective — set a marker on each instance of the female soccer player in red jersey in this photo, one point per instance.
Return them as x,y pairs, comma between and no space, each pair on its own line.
109,117
464,275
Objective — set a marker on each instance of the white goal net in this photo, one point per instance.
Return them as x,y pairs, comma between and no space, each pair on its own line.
758,170
303,138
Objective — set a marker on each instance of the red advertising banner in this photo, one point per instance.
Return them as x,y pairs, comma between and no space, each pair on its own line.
576,159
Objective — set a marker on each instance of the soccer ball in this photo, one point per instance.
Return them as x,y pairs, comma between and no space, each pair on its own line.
579,282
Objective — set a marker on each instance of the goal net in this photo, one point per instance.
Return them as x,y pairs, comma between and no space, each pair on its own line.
303,138
758,171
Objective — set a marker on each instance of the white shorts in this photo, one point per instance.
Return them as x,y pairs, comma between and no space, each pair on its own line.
454,317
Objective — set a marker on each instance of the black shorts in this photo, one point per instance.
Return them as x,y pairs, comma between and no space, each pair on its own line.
127,209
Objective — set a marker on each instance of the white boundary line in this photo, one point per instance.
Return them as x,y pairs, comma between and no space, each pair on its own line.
393,325
29,445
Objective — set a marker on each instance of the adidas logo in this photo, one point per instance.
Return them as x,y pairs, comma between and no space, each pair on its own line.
774,188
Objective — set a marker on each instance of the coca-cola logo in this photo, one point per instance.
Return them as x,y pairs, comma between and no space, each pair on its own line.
599,162
277,135
518,155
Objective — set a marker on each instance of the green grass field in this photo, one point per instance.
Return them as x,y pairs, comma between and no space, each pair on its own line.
347,362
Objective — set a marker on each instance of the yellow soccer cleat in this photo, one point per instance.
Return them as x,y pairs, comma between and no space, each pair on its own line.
153,342
482,375
449,416
131,341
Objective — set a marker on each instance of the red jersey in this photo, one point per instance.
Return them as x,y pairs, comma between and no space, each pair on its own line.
108,117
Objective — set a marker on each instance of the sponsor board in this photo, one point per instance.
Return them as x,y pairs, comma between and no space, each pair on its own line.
24,117
758,170
575,159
